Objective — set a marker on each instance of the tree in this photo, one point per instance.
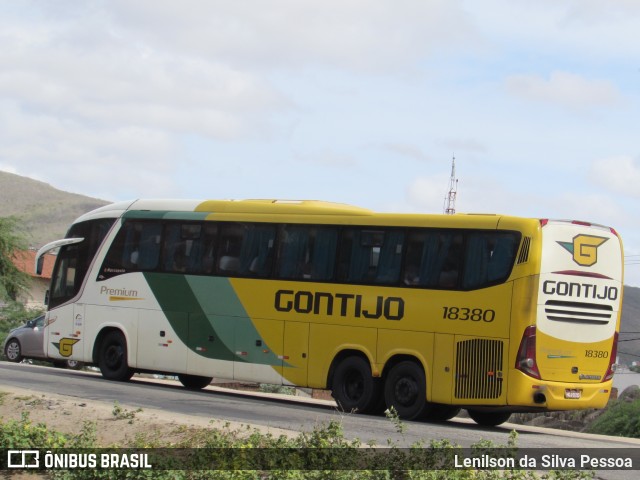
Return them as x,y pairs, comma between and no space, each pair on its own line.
12,239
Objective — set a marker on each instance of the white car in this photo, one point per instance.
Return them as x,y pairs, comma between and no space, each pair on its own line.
26,342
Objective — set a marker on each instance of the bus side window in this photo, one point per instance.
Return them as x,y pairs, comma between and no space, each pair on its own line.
246,249
371,256
489,258
189,248
135,248
306,252
433,259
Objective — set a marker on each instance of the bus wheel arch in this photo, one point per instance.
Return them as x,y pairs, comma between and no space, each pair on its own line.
405,387
352,384
110,353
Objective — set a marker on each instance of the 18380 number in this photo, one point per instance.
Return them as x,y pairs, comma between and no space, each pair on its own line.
596,354
471,314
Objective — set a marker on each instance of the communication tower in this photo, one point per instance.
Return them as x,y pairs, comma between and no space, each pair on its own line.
450,199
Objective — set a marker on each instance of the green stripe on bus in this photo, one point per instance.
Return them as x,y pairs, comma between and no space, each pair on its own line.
164,215
217,320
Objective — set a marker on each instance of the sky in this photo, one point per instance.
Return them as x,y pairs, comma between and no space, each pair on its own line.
363,102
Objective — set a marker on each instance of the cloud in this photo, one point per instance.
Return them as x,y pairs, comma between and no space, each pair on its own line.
126,161
347,34
620,174
564,89
408,151
328,158
427,194
464,145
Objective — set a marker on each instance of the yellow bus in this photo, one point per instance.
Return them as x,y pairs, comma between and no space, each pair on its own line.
424,313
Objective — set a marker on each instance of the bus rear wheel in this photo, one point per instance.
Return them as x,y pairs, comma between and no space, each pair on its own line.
194,382
405,390
353,387
488,419
439,412
112,359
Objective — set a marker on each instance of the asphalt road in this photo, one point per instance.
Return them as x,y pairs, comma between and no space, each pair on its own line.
281,411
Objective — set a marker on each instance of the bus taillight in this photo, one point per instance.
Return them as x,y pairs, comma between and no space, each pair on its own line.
526,360
612,359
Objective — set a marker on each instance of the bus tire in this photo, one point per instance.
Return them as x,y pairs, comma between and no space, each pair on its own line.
353,387
112,359
194,382
405,389
488,419
439,412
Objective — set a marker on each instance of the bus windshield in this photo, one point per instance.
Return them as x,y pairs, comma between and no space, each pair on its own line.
73,261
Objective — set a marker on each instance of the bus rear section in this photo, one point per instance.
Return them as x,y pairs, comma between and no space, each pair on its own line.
566,360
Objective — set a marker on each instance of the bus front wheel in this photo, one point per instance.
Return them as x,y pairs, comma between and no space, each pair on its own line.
194,382
405,390
488,419
112,359
353,387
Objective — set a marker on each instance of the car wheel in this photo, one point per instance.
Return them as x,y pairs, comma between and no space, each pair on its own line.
74,364
13,351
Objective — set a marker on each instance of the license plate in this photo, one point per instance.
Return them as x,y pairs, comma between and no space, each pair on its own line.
572,393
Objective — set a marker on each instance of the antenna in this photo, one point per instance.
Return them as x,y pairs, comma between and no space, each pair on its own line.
450,199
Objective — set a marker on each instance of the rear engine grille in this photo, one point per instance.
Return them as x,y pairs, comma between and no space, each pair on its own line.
578,312
479,369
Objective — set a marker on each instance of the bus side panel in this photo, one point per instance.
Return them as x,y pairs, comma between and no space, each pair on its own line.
296,357
62,338
255,359
159,344
203,341
329,341
442,386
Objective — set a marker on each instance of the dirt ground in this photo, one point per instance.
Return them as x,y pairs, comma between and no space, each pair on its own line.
115,424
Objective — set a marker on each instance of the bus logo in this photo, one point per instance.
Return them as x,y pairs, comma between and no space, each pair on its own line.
65,347
584,249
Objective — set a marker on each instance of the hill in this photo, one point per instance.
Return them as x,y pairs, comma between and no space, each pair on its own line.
46,211
629,349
